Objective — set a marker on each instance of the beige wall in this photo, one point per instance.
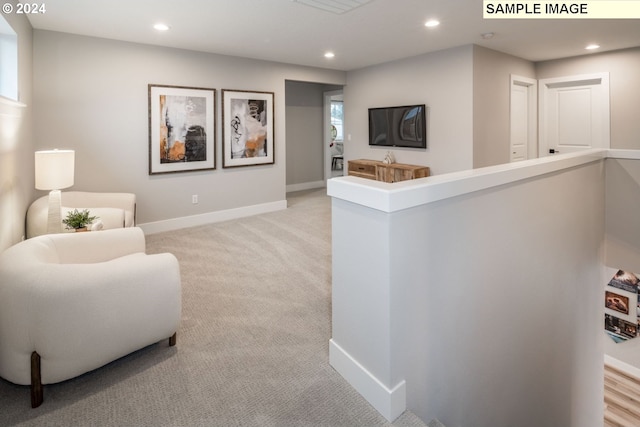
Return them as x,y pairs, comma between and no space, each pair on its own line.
443,81
624,83
16,142
305,135
622,238
491,93
623,215
91,96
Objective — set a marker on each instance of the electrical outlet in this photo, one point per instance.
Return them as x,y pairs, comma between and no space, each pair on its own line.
194,199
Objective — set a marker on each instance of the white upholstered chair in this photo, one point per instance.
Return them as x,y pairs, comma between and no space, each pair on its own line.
73,302
115,210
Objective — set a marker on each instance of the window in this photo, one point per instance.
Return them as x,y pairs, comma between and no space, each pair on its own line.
8,61
337,119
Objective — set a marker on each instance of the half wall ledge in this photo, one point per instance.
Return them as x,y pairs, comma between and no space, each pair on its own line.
407,194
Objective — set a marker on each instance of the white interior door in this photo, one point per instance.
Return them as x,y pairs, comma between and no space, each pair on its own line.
523,118
574,113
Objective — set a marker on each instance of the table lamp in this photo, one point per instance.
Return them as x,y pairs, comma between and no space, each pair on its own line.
54,171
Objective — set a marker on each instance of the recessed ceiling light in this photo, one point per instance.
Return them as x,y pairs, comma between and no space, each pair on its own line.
487,36
592,47
329,55
161,27
432,23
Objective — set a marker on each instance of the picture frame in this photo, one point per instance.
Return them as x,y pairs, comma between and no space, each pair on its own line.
616,302
182,129
247,128
619,329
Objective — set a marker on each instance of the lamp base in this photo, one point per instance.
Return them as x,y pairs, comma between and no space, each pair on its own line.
54,216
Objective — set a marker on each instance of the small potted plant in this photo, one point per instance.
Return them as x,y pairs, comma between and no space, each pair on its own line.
78,220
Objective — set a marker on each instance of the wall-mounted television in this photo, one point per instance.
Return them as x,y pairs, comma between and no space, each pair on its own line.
404,126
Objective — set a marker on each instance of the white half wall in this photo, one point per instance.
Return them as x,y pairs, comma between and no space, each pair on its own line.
480,291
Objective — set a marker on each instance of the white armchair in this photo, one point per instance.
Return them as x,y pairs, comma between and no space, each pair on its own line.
73,302
115,210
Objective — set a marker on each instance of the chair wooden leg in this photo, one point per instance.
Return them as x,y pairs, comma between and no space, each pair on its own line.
36,381
172,340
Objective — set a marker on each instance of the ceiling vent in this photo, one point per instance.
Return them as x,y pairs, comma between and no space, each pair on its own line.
334,6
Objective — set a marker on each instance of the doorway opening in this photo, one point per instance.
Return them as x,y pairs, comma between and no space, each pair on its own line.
333,134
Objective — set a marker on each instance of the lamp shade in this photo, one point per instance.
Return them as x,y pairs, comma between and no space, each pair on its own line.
54,169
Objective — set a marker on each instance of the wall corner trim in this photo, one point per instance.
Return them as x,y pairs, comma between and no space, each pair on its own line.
391,403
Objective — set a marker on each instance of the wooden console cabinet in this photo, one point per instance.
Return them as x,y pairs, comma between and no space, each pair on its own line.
394,172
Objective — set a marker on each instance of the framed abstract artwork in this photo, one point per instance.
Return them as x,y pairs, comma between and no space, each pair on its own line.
182,130
247,128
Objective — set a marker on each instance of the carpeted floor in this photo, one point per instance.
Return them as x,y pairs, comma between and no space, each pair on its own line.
252,347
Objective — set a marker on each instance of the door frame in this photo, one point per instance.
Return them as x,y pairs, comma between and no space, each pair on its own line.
545,85
531,86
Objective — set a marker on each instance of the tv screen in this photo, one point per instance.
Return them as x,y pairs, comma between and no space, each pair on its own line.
404,126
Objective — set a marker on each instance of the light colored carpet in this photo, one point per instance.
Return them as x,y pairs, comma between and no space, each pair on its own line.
252,347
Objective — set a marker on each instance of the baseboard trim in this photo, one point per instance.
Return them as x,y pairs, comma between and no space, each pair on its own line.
305,186
211,217
391,403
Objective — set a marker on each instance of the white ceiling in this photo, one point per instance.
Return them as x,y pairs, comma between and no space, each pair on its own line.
291,32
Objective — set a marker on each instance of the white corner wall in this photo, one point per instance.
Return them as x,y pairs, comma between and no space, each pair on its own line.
476,295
